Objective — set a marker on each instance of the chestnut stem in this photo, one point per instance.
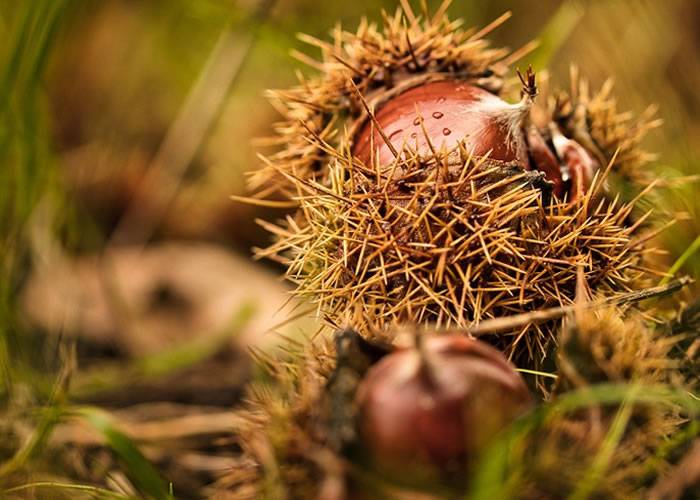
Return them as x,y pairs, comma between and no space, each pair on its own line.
427,369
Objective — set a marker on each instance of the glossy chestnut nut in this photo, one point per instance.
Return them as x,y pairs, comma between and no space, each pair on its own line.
427,413
449,111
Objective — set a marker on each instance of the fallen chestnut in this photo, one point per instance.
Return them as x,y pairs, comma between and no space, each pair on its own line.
425,413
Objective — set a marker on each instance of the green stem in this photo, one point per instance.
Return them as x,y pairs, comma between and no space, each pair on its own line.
685,256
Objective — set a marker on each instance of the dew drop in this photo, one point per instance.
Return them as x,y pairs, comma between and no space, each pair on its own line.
414,135
437,115
395,133
418,121
441,100
446,131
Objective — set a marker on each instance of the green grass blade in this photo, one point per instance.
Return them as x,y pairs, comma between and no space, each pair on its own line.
555,33
495,474
36,442
139,470
538,373
586,487
110,376
680,262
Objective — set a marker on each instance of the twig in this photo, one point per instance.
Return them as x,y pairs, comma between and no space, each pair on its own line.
510,322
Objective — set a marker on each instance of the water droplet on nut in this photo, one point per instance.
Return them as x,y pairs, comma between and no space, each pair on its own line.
437,115
446,131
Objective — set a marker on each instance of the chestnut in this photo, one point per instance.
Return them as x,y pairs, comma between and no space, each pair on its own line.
425,413
580,166
446,112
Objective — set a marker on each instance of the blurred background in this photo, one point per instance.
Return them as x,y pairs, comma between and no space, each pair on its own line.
129,301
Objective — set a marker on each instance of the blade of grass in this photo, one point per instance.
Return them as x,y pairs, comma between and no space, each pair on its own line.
504,323
137,468
605,394
50,416
196,351
14,61
161,363
679,439
555,33
495,473
35,443
24,152
536,372
680,261
586,487
184,138
98,492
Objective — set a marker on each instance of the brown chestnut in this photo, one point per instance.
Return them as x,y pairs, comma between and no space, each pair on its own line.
579,165
544,160
426,413
446,112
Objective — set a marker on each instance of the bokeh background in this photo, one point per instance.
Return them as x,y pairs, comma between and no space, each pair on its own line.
129,301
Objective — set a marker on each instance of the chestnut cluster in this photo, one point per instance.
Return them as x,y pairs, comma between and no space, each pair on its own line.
426,198
439,115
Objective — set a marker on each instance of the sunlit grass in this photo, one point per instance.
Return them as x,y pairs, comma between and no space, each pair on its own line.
27,173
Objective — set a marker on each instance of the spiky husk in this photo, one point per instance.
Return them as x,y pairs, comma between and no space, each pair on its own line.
610,345
287,451
452,240
592,118
321,114
428,239
605,347
284,451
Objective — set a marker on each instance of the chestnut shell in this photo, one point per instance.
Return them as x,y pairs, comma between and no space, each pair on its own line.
451,111
427,415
